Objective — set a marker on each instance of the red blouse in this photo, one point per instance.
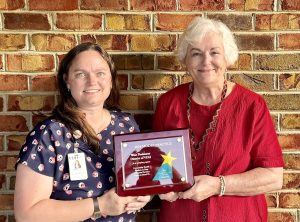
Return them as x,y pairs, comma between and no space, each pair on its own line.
244,139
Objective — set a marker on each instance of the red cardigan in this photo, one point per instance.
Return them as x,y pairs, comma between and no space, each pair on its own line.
244,139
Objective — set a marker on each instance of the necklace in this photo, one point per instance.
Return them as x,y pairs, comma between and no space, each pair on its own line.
212,124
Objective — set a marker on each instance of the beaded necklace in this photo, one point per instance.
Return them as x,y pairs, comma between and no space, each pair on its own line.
212,124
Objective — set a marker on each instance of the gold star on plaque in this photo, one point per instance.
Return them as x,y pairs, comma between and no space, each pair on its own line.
168,158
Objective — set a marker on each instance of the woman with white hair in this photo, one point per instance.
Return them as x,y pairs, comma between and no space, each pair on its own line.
235,151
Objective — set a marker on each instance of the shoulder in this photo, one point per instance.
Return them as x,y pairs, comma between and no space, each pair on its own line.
124,119
120,115
248,95
49,124
244,99
49,130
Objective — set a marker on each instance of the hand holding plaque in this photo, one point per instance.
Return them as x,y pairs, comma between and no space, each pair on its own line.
153,163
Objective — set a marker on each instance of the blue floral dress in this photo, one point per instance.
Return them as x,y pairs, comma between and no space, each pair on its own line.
47,146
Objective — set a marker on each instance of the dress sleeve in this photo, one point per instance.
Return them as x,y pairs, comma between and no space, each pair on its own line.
38,151
127,120
158,116
266,151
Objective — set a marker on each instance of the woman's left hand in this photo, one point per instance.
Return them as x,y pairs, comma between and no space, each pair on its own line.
140,202
204,187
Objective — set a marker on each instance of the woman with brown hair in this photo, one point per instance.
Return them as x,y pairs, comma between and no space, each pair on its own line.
48,185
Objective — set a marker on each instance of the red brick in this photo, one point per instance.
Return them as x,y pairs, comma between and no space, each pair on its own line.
1,143
271,200
12,182
255,42
277,62
289,200
152,43
26,62
77,21
283,101
279,21
118,22
30,103
25,21
169,63
282,21
186,78
13,123
7,163
289,81
202,5
291,180
281,217
53,5
263,22
15,142
11,5
233,21
172,22
136,102
289,141
244,62
108,42
294,21
152,82
1,63
289,41
250,5
1,103
144,121
6,201
104,4
290,5
154,5
12,42
291,161
122,81
255,82
53,42
13,82
2,181
44,83
37,118
134,62
290,121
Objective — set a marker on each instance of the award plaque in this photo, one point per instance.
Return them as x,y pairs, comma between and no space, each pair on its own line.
153,162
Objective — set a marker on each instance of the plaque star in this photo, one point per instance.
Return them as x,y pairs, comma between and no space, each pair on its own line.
168,158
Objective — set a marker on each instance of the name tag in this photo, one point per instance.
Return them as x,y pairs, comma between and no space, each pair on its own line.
77,166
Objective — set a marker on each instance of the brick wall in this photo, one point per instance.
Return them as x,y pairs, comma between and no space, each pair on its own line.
141,35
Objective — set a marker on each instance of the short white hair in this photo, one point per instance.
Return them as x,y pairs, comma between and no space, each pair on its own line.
198,28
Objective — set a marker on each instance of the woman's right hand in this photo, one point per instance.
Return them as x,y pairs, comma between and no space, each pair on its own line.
171,196
112,204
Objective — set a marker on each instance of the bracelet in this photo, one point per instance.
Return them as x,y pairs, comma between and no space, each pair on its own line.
222,185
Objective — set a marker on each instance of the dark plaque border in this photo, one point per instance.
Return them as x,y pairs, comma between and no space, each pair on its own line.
134,148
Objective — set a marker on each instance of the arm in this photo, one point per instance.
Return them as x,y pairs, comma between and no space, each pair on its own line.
32,203
252,182
255,181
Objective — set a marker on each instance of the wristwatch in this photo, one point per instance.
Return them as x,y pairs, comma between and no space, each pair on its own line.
97,212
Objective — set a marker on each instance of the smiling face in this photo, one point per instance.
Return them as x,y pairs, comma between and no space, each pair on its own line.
89,80
205,60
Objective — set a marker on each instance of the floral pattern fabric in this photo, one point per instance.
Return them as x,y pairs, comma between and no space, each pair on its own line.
46,151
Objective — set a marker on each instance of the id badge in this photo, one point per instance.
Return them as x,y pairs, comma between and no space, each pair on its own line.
77,166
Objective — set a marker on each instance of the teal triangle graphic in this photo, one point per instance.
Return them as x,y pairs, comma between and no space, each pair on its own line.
164,172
